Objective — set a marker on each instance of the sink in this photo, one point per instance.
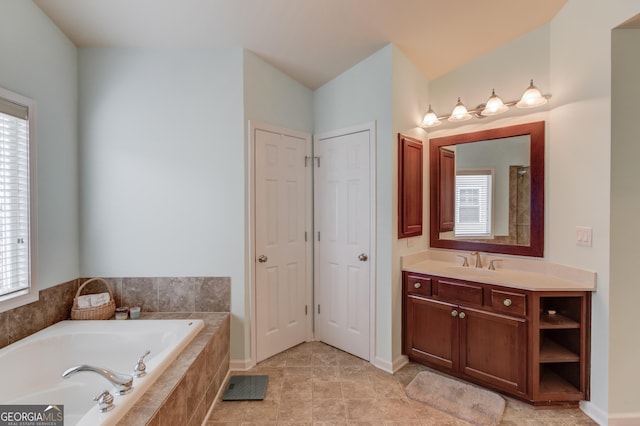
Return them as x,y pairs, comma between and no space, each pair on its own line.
469,270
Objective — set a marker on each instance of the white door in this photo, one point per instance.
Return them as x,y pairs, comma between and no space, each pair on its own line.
343,221
282,257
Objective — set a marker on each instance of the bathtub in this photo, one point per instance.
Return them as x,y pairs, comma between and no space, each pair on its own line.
31,369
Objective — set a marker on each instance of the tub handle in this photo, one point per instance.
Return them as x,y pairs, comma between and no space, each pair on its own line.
140,370
105,401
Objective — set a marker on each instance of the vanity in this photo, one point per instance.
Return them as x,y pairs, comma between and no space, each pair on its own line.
478,305
523,331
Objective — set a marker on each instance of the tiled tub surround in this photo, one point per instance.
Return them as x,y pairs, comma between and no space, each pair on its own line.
188,387
163,294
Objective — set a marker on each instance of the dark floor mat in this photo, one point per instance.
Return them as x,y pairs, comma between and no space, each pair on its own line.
242,388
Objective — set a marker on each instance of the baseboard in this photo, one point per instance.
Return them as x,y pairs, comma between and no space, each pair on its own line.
596,413
241,364
390,367
626,419
400,362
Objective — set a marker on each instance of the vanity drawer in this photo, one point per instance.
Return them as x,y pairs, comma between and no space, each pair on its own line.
509,302
418,285
458,292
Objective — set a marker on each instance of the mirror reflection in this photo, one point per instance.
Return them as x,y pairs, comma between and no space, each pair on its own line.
492,191
487,190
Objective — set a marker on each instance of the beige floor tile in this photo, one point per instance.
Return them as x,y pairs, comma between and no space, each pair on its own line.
329,410
314,384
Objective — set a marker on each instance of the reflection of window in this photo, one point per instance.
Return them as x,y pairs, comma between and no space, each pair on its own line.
473,203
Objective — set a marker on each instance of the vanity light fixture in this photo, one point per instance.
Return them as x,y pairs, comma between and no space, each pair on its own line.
530,98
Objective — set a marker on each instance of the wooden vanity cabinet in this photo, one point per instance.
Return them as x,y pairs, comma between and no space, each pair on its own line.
451,330
499,337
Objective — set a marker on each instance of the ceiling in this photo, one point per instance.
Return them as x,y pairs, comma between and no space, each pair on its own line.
313,41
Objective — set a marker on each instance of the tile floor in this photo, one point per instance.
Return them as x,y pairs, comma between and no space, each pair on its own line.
316,384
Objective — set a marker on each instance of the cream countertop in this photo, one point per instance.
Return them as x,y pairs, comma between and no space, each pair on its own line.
526,274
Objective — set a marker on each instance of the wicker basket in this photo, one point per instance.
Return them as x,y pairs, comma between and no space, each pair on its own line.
101,312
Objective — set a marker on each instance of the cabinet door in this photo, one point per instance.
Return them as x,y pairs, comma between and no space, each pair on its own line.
432,332
409,187
493,348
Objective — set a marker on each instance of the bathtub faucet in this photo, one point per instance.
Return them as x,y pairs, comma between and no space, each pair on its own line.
122,382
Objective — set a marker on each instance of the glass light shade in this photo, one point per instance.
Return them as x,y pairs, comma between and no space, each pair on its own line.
494,105
430,119
460,112
531,98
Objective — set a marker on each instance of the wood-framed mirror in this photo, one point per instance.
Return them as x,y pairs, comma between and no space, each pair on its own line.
487,190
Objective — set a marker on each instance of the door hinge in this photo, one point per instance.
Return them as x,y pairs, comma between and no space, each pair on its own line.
305,310
318,235
305,236
318,309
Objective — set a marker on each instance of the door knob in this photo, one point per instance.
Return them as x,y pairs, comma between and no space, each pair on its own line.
262,258
363,257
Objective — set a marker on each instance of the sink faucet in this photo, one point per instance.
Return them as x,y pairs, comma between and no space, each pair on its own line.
478,259
122,382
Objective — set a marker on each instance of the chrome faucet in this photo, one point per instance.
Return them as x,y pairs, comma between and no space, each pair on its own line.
478,259
122,382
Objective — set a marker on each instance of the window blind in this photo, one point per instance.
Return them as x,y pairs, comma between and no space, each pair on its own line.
14,198
473,203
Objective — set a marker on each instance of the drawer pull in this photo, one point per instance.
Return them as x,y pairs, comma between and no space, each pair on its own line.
507,302
462,315
417,285
454,313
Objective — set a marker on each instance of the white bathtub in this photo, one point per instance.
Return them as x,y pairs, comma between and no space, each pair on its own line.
31,369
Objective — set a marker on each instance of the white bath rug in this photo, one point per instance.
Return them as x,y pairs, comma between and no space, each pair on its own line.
463,400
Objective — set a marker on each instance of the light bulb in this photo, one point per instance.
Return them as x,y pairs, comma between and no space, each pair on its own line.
531,98
459,112
494,105
430,119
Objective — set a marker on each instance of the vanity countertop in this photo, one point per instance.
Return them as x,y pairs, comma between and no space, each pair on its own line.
534,275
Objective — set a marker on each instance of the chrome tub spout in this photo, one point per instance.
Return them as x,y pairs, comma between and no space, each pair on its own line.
122,382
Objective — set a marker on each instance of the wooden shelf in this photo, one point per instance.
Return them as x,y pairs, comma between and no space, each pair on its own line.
551,351
551,382
557,321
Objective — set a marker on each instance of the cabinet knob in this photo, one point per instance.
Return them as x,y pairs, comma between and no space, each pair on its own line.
507,302
462,315
454,313
417,285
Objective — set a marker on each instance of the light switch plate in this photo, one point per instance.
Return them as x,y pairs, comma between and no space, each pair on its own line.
584,236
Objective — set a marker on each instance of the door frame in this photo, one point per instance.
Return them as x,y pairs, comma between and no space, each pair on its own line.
371,127
251,238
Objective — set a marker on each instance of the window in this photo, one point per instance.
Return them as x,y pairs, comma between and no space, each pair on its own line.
17,117
473,203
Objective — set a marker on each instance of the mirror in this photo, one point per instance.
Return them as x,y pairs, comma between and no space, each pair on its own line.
487,190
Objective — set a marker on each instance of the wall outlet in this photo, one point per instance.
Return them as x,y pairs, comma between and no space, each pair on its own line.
584,236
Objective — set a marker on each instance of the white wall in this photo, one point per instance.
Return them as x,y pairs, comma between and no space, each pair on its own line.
410,96
625,232
162,155
358,96
39,62
273,97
